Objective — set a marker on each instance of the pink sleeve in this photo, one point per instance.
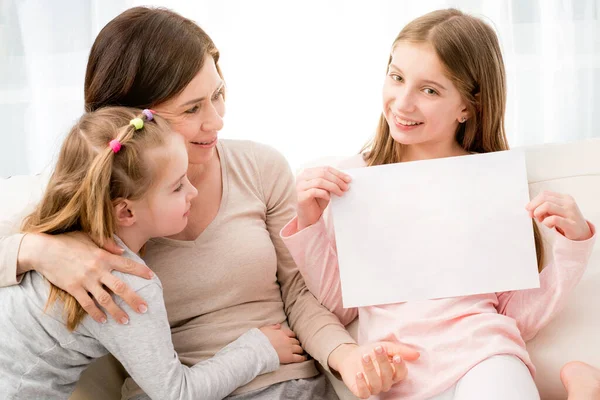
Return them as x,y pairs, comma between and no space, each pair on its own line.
534,308
315,254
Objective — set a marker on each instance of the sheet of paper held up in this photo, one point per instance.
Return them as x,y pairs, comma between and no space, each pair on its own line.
437,228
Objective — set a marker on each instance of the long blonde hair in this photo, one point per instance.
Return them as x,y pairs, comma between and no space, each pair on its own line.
89,176
469,51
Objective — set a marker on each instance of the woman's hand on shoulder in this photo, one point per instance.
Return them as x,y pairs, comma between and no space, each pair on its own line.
314,187
560,211
74,263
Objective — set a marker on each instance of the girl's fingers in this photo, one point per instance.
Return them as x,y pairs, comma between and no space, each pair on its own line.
314,194
553,221
323,172
548,208
400,370
371,374
386,370
543,197
296,358
288,332
337,177
297,349
320,183
565,226
342,175
363,390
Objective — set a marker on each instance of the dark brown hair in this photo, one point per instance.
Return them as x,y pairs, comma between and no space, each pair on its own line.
144,57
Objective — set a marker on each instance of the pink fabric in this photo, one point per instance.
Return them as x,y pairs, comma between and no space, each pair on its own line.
452,334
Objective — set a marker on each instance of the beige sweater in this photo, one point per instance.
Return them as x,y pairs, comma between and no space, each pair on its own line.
237,274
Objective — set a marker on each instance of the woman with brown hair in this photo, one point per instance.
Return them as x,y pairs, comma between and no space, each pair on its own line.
228,271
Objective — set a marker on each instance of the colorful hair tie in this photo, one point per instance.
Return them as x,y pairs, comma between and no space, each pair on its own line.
149,114
137,123
115,145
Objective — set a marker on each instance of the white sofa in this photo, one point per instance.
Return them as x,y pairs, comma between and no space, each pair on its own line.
573,335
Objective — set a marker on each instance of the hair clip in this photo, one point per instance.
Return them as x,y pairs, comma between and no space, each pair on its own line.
137,123
149,114
115,145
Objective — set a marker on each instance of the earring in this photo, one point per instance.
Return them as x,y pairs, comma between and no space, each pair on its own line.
463,119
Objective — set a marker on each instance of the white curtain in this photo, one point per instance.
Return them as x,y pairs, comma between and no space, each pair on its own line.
44,47
304,76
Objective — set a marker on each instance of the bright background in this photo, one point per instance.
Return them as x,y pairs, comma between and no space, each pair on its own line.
303,76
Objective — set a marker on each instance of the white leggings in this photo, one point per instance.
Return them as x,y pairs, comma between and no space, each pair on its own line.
496,378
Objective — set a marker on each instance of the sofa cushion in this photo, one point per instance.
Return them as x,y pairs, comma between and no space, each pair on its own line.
573,334
18,197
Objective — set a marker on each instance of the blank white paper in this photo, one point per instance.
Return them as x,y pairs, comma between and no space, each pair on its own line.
437,228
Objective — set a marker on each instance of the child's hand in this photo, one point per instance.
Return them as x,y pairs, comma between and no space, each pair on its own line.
373,368
285,344
561,212
314,187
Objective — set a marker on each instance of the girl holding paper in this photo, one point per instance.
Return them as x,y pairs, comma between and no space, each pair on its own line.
444,95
